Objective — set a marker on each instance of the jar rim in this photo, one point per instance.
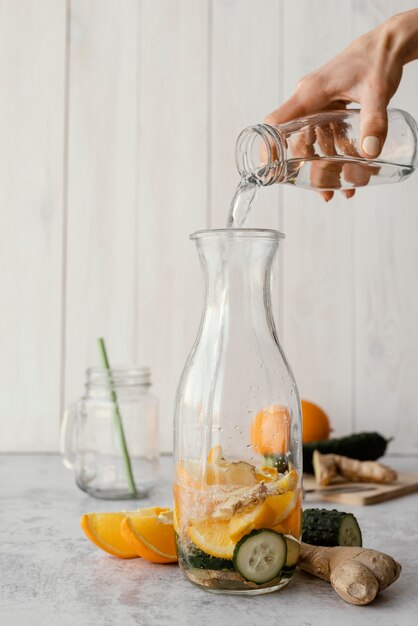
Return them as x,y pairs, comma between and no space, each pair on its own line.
125,375
232,233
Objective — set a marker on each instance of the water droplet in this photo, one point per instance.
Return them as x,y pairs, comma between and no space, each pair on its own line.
248,445
261,365
220,429
236,427
292,392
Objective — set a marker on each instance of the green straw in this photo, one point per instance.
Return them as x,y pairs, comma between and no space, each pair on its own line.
118,418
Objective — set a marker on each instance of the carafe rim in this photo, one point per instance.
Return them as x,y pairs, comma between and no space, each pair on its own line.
261,233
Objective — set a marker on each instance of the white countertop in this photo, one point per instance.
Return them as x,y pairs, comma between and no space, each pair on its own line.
51,575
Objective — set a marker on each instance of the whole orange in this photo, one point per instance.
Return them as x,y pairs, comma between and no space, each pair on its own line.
315,422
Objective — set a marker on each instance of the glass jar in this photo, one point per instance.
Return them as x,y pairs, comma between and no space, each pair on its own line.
322,152
237,492
110,436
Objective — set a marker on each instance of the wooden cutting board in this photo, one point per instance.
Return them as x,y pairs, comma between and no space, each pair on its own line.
360,493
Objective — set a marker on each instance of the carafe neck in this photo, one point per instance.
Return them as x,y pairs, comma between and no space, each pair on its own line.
237,267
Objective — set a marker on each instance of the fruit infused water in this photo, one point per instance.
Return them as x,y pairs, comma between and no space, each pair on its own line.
237,427
238,526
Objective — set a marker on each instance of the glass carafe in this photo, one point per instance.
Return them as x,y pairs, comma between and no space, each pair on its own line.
322,151
237,490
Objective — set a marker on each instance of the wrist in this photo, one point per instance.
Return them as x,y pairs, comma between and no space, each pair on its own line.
399,36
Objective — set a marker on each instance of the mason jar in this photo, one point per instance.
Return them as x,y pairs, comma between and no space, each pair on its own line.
109,437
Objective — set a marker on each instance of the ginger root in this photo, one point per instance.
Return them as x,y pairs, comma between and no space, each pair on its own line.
328,466
356,574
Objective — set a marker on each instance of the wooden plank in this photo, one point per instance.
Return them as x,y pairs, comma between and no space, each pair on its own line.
172,189
386,255
317,259
32,79
360,494
245,87
101,240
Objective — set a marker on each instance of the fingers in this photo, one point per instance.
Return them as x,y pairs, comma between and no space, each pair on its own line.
327,195
308,98
373,126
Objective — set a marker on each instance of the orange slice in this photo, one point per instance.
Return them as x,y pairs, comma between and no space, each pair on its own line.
103,529
266,474
282,505
213,538
215,454
150,536
270,430
292,525
176,525
260,516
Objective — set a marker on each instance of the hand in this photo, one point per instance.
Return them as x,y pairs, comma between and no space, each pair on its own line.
367,72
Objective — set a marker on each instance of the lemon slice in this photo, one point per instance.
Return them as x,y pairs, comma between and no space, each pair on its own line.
213,538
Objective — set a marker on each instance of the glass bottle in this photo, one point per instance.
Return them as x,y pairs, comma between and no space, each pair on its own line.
322,152
237,492
109,463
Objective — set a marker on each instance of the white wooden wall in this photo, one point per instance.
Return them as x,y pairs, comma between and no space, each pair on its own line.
117,125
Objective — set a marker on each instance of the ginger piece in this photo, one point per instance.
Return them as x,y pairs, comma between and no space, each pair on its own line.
245,498
325,468
356,574
328,466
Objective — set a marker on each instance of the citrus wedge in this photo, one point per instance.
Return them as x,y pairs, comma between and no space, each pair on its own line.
289,481
259,516
266,474
150,536
103,529
213,538
282,505
215,454
292,525
176,525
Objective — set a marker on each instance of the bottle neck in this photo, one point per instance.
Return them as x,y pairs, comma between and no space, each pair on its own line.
237,269
260,154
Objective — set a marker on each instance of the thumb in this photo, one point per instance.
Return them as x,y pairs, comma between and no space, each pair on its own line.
373,127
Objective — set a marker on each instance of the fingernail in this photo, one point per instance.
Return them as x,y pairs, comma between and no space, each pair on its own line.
371,145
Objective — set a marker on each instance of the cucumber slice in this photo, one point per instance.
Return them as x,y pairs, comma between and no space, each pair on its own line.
293,549
260,556
349,533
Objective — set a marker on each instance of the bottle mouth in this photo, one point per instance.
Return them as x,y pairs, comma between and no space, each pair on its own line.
236,233
259,154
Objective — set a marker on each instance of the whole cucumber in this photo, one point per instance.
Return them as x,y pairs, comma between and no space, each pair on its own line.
324,527
361,446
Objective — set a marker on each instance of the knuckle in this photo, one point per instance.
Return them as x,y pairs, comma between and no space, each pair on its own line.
269,119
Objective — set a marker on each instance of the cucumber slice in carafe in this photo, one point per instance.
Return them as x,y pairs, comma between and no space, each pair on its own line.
260,556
